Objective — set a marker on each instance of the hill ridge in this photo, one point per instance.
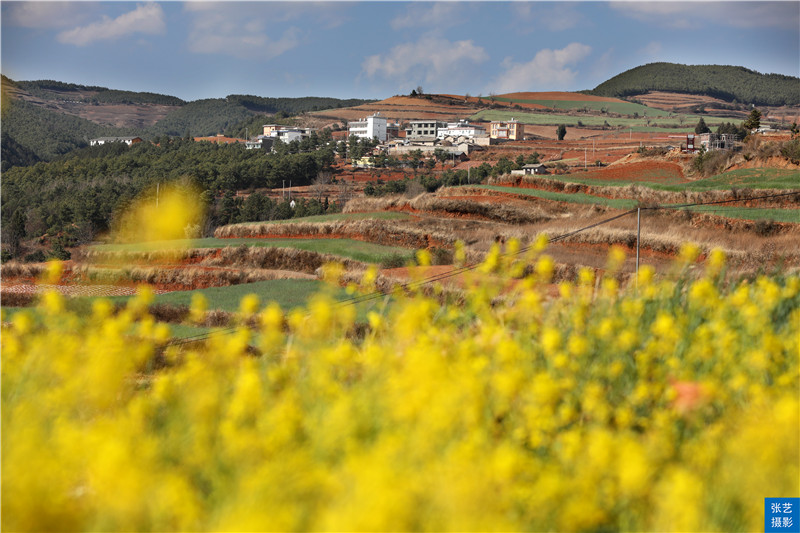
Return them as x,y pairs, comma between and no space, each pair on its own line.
726,82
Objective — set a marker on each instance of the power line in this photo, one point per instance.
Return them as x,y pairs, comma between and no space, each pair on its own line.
460,270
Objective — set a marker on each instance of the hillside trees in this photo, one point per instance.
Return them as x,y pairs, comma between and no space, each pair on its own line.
701,127
725,82
561,132
82,194
32,133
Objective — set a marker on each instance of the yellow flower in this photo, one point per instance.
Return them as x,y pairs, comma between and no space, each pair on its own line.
544,268
249,304
616,257
716,261
689,253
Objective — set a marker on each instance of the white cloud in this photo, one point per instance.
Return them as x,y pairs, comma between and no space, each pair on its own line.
547,69
432,60
40,15
439,15
652,50
239,29
683,15
532,16
146,18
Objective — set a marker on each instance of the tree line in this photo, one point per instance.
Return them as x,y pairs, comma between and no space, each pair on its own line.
75,198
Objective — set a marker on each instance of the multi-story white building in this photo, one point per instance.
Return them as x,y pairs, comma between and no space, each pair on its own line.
461,128
286,134
372,127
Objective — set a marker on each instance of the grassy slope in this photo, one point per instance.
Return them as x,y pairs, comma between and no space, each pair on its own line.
289,293
751,178
358,250
751,213
623,108
576,198
638,124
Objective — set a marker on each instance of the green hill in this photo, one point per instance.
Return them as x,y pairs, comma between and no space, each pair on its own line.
719,81
43,134
36,126
56,90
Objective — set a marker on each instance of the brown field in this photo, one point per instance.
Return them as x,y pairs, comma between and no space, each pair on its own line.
403,108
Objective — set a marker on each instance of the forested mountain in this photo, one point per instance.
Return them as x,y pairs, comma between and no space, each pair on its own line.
45,134
200,118
14,154
56,90
719,81
36,128
291,106
35,132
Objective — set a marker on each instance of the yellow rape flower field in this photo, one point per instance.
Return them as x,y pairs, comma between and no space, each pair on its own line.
669,405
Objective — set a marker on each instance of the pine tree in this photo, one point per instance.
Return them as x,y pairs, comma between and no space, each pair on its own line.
701,127
753,121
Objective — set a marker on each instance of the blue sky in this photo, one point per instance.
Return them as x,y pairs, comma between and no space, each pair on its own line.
199,50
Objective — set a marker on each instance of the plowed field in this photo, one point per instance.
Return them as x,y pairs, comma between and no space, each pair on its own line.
640,171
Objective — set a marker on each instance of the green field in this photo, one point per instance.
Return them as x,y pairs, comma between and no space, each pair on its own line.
623,108
750,213
638,124
349,248
576,198
752,178
382,215
289,293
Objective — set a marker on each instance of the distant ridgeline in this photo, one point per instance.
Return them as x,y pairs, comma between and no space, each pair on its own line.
56,90
291,106
34,133
727,83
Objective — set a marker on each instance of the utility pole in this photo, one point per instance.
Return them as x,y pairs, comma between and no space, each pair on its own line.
638,235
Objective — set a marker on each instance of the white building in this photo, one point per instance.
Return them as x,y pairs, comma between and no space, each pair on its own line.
127,140
461,128
424,130
288,136
372,127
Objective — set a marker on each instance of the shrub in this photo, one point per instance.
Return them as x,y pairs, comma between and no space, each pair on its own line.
441,256
791,151
35,257
394,260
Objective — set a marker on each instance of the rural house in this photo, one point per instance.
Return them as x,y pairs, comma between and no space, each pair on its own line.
507,131
103,140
